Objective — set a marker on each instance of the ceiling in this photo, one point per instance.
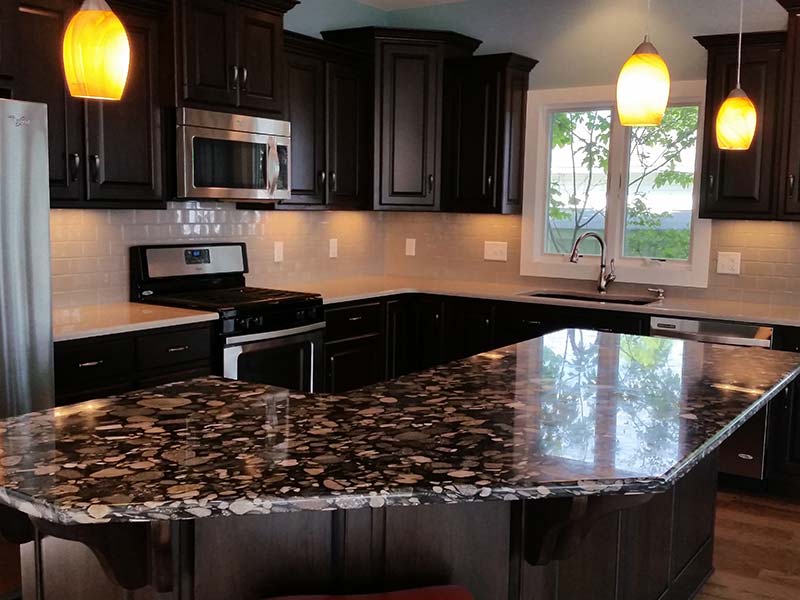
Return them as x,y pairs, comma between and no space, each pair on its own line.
401,4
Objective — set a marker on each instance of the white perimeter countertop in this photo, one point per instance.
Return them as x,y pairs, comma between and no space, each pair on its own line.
122,317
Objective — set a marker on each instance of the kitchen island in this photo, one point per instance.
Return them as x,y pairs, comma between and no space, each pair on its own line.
576,465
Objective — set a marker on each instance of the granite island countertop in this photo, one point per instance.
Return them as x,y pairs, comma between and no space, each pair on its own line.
572,413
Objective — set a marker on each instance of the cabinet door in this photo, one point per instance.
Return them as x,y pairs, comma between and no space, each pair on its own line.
306,112
784,442
512,149
789,182
125,137
348,136
741,184
38,77
400,339
430,332
260,60
472,115
469,327
518,322
353,364
410,107
211,74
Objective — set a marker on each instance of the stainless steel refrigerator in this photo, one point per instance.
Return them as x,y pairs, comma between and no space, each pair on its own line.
26,338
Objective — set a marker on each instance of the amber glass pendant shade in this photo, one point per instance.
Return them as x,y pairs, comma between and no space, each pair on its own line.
643,88
96,53
736,122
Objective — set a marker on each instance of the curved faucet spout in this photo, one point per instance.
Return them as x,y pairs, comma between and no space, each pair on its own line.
607,277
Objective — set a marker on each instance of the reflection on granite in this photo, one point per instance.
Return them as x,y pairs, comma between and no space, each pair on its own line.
573,413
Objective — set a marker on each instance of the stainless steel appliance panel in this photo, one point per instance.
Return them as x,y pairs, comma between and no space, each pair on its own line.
233,157
26,354
179,261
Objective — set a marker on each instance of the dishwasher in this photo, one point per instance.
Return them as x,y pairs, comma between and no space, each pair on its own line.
743,455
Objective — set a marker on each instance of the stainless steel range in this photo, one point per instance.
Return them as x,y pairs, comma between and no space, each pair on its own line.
265,336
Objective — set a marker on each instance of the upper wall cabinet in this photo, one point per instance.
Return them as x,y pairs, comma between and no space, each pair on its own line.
102,154
484,133
789,182
744,184
233,54
329,106
408,101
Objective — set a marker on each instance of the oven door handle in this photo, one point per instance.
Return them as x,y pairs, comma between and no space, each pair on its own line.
272,335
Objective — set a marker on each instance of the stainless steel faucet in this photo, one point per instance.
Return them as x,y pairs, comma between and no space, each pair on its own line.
606,278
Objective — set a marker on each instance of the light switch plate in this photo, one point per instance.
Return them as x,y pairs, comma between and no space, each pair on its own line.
333,248
497,251
729,263
278,252
411,247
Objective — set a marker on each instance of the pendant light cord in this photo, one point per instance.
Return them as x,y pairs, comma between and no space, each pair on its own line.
647,22
741,27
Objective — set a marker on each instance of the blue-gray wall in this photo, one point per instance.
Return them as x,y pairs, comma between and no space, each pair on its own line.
312,16
585,42
578,42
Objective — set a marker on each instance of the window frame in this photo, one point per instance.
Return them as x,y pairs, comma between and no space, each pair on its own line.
536,262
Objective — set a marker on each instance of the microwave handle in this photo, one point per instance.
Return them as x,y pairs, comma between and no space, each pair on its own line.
272,166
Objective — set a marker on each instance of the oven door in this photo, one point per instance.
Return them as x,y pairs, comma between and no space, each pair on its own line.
291,359
232,165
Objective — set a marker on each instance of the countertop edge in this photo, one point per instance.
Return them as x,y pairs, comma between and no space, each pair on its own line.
134,327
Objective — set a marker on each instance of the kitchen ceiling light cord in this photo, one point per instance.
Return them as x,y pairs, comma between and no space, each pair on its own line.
737,118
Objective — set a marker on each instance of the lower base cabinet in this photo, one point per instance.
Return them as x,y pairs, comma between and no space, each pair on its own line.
353,364
102,366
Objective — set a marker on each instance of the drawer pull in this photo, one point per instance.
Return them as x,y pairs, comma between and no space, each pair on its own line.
532,323
746,456
178,349
354,319
93,363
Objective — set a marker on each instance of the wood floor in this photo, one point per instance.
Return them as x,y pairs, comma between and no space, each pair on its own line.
757,549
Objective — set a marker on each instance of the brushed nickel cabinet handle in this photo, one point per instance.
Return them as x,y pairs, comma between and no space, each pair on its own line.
244,78
95,164
235,77
323,177
75,166
791,186
92,363
430,184
334,181
356,319
178,349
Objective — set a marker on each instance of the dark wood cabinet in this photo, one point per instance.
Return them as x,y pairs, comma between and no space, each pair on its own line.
354,346
469,327
233,54
401,343
102,154
124,153
408,101
484,133
353,364
306,112
209,48
789,174
97,367
743,184
430,342
37,29
410,125
327,105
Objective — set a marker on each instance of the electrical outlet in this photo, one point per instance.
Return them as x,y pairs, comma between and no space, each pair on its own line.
497,251
729,263
278,252
411,247
333,248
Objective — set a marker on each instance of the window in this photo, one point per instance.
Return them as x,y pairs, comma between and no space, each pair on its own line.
635,187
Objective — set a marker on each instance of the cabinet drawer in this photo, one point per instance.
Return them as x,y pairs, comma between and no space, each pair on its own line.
93,363
173,348
353,321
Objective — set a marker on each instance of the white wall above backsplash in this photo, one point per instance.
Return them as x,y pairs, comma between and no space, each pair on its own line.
90,247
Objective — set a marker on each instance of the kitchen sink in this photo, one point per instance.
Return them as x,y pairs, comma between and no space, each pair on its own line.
595,297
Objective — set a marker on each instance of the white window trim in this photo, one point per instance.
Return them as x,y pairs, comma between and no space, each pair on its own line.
535,262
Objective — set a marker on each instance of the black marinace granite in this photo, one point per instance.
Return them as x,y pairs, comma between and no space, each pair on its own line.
573,413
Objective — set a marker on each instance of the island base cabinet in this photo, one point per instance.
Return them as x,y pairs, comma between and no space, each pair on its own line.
658,549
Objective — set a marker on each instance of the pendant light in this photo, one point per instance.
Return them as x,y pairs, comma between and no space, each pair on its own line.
96,53
643,85
737,117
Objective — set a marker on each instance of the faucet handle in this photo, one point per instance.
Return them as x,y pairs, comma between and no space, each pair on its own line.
658,291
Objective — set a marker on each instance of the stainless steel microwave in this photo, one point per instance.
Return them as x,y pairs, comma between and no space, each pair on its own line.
232,157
